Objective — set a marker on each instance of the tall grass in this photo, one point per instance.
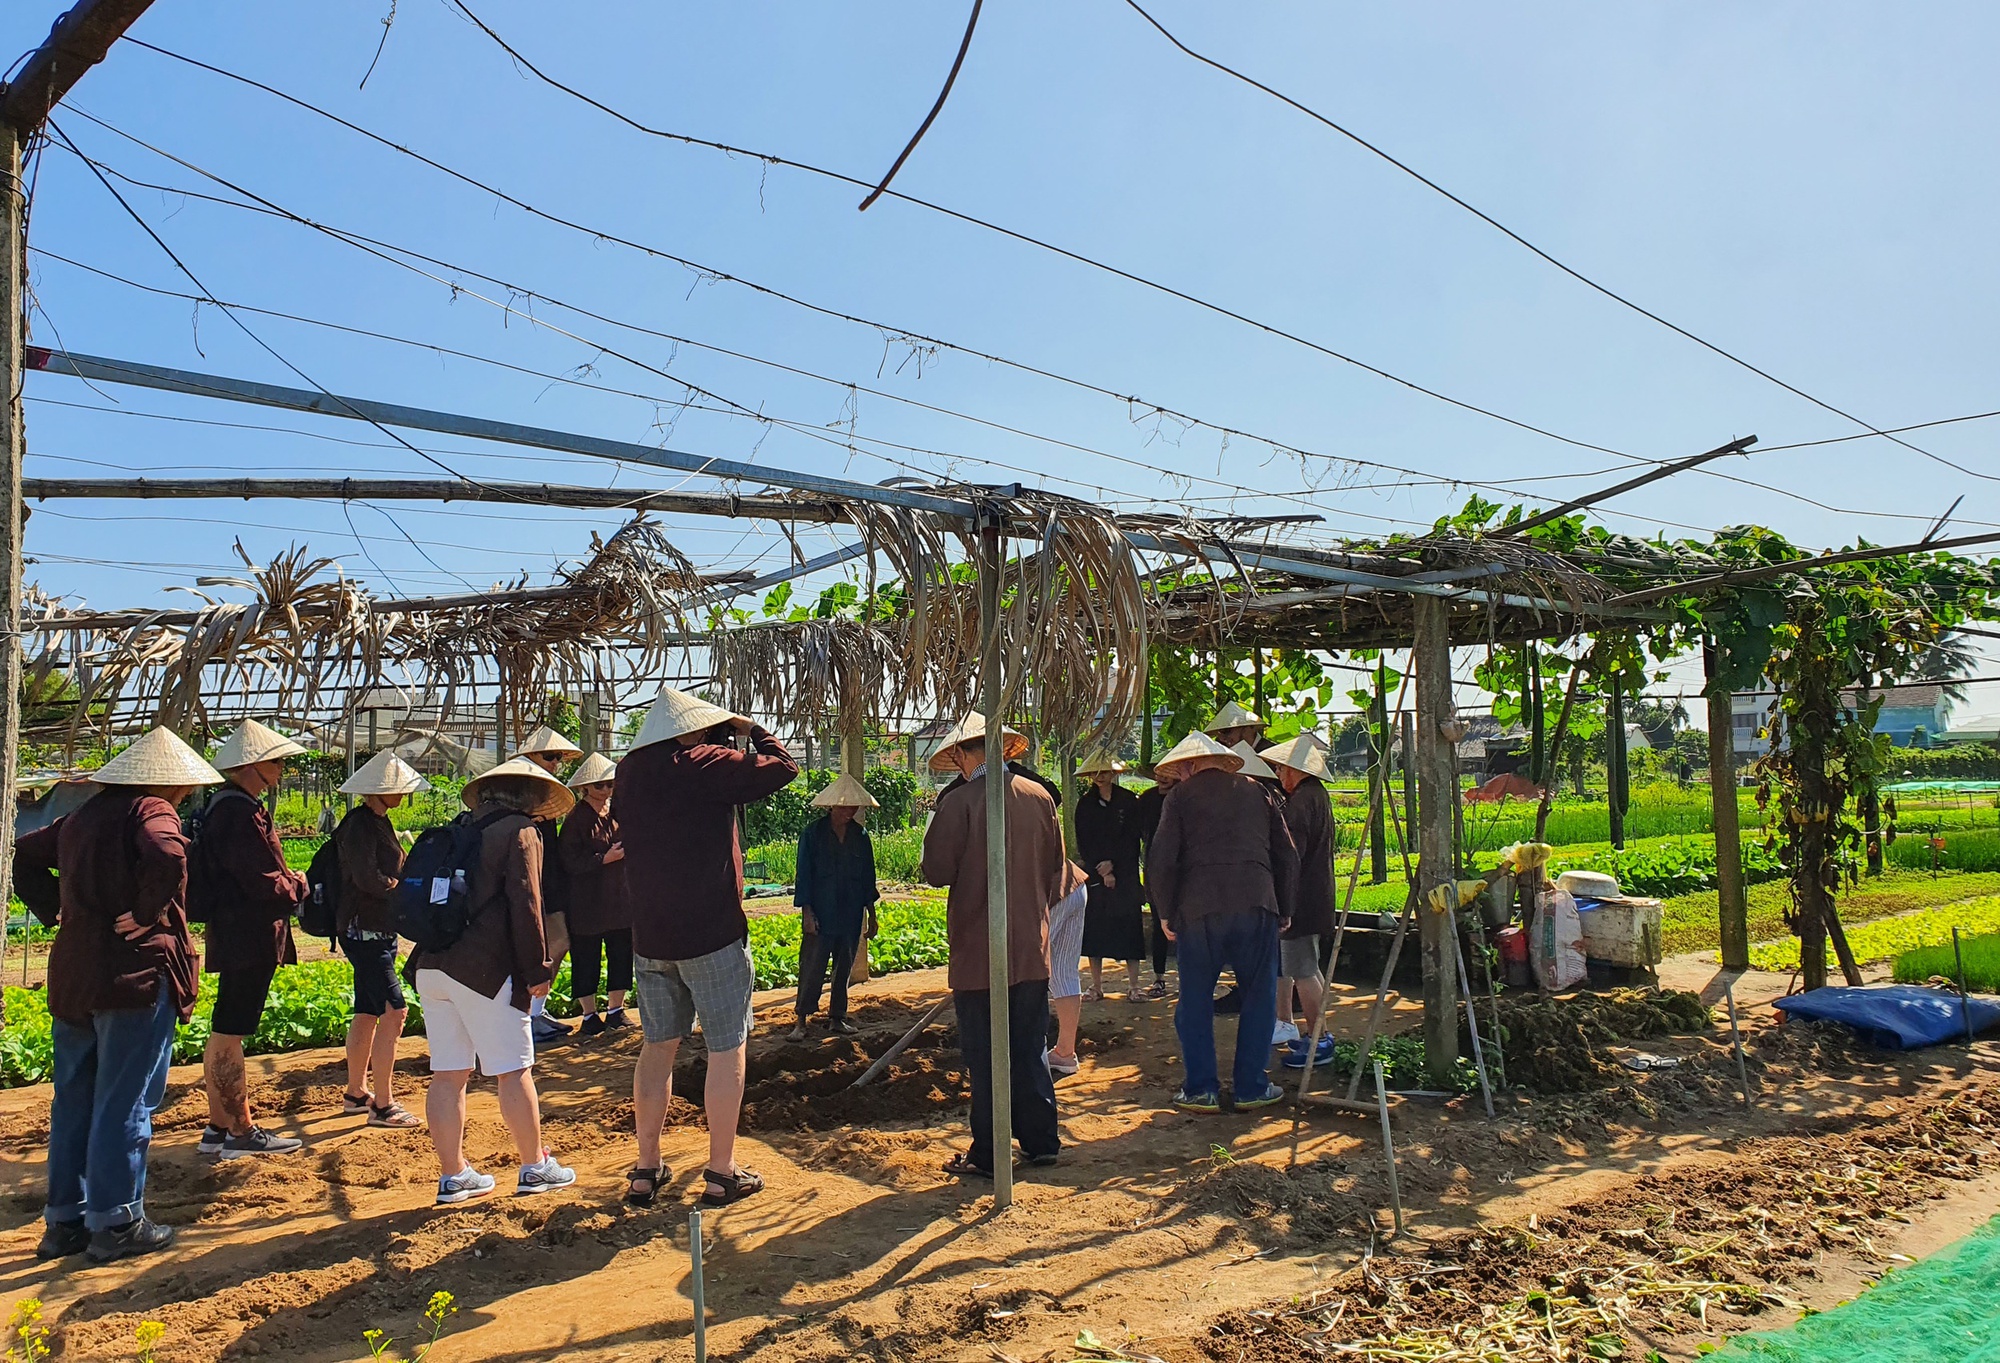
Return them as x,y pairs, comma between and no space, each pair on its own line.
1968,851
1982,963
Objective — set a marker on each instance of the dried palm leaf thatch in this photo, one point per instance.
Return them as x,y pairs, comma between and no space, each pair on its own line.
807,672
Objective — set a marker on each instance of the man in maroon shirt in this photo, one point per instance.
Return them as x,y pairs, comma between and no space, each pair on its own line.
121,974
678,791
248,894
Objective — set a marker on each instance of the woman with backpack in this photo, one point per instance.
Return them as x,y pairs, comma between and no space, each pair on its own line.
370,858
476,980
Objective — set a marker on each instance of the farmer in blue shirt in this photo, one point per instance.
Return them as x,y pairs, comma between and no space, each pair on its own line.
836,897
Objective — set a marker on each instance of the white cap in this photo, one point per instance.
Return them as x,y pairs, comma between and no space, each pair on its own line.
158,759
846,793
546,740
1303,753
592,771
557,799
1198,745
1253,765
1233,716
253,743
974,726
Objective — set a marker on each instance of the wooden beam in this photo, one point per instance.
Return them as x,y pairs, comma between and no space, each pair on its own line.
78,40
1433,758
1739,575
1650,476
433,490
1733,906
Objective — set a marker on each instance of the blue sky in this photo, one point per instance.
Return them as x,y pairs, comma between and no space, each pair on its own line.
1808,185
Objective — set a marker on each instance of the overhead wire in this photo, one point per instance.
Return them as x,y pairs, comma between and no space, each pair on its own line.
1870,429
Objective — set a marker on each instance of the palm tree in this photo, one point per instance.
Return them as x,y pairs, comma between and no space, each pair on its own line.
1949,658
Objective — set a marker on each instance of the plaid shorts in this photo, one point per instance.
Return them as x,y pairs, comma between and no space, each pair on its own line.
713,989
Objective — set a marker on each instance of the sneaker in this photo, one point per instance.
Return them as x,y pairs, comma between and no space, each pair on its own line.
212,1137
122,1242
1061,1065
548,1029
545,1175
463,1186
258,1141
62,1239
1284,1034
1232,1002
1272,1095
592,1025
1197,1102
615,1019
1295,1057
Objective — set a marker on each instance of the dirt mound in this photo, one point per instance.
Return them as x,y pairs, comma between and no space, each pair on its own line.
1557,1045
1303,1206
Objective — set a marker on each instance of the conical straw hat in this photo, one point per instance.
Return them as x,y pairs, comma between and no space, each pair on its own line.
974,726
1193,746
546,740
557,799
251,743
1253,765
385,774
1232,716
158,759
593,770
848,793
1103,761
1300,754
675,713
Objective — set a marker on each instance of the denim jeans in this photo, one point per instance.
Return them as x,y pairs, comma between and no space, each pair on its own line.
1246,940
110,1076
1033,1090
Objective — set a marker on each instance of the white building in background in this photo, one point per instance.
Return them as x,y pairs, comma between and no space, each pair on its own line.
1912,716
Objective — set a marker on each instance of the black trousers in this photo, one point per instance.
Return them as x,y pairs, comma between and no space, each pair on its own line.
1160,948
1033,1090
816,951
584,949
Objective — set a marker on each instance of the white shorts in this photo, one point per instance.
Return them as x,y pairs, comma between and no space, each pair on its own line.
464,1027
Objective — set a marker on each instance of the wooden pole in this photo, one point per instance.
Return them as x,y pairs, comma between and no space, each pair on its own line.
587,722
990,564
1433,762
1614,752
1146,718
1414,801
1562,732
1378,779
1733,904
13,446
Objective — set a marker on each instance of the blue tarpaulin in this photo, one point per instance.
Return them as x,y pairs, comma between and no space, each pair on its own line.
1898,1016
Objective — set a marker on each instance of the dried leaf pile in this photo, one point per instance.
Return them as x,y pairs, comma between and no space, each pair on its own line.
1557,1045
1656,1257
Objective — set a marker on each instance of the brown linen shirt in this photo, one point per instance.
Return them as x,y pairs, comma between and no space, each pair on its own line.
1222,846
1038,874
250,924
122,852
1309,816
371,862
676,812
599,900
503,941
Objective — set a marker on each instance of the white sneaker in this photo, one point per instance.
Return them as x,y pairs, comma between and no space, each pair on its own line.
1286,1034
463,1186
543,1176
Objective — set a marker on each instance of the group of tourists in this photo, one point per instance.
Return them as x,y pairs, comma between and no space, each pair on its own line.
1232,848
634,870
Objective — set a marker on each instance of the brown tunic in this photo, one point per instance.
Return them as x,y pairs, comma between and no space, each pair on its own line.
122,852
371,860
1038,874
504,939
1222,846
676,809
250,924
599,901
1309,816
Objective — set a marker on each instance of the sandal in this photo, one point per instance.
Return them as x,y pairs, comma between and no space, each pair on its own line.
395,1115
654,1179
735,1187
961,1166
352,1106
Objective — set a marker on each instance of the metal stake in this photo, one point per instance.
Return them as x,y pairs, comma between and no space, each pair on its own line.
882,1062
700,1305
1388,1146
1736,1037
1471,1017
1382,990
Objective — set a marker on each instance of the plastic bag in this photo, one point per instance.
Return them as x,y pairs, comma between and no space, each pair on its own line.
1555,941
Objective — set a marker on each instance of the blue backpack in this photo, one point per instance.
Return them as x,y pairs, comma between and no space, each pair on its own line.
433,901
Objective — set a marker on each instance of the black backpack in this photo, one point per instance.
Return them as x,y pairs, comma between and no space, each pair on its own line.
433,902
319,911
205,881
